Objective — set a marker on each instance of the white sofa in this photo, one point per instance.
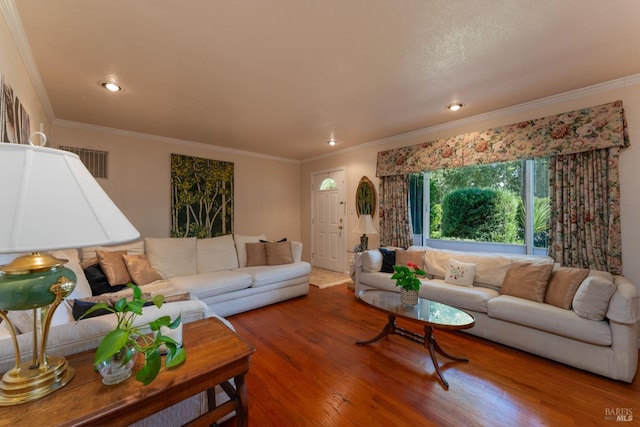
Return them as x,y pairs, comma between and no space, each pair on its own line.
213,271
598,333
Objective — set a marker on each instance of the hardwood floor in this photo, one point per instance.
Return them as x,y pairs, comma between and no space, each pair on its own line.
307,371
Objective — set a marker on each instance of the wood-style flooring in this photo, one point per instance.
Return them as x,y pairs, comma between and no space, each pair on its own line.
307,371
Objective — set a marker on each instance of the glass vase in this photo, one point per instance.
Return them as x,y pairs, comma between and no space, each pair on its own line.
119,367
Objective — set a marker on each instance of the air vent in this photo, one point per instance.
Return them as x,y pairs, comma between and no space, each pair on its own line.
94,160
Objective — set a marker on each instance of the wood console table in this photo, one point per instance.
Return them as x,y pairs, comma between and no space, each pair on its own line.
215,354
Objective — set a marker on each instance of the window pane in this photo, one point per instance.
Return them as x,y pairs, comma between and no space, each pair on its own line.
541,207
496,188
478,203
328,184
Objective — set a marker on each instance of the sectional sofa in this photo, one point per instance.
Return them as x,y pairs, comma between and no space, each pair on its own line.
528,303
212,277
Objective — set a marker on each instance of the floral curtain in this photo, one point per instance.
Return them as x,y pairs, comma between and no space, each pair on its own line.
395,217
585,210
573,132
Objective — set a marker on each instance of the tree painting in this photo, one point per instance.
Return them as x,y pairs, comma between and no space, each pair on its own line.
201,197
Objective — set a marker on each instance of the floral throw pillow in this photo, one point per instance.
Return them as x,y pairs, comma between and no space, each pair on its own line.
460,273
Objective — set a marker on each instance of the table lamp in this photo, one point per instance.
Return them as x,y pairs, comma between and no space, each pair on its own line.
49,201
365,226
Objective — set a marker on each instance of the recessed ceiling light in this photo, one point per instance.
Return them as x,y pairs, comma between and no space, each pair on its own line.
332,142
454,107
111,86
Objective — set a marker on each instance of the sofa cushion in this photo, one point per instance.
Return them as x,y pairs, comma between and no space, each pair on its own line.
114,267
388,260
563,285
240,241
216,253
490,267
404,257
98,281
460,273
473,298
171,256
269,275
528,281
591,300
140,269
215,283
371,260
378,280
256,254
278,253
550,319
135,248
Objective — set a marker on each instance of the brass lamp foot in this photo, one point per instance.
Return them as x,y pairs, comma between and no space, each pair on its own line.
30,383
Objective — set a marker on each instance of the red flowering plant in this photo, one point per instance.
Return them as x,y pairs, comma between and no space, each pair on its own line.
406,278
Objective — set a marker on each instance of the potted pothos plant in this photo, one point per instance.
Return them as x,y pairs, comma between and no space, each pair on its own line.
116,351
406,277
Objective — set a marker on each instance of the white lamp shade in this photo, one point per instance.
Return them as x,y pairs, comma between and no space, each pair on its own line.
51,201
365,225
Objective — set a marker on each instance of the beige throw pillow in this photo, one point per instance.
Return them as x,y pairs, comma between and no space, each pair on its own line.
563,285
404,257
140,270
114,267
278,253
460,273
256,254
591,300
528,281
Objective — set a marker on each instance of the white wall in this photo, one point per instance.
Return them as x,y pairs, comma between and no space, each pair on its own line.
267,190
15,75
362,161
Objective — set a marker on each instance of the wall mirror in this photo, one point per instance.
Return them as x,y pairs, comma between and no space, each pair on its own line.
365,197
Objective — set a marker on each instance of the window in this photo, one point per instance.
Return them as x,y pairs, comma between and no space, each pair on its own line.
328,184
505,205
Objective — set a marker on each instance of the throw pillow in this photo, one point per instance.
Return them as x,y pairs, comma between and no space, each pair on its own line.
525,280
388,260
460,273
591,300
114,267
240,241
140,270
278,253
98,281
563,285
404,257
256,254
284,239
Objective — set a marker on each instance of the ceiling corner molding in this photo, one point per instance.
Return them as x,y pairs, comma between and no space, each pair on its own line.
166,140
12,18
622,82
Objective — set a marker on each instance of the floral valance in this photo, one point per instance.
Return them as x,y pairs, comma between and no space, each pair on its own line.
573,132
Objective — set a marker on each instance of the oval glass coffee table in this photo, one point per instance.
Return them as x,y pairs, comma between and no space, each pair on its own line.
432,314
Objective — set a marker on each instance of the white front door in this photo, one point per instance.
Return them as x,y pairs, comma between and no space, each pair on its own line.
328,220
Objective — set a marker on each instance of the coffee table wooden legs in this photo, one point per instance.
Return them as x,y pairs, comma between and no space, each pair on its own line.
427,340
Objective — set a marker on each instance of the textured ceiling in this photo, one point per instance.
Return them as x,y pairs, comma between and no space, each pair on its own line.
282,77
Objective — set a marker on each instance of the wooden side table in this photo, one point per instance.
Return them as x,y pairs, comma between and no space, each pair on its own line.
215,354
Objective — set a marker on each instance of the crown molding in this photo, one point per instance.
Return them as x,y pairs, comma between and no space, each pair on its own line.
622,82
12,18
166,140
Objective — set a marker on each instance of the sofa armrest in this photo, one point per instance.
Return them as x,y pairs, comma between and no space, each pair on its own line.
296,251
623,306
